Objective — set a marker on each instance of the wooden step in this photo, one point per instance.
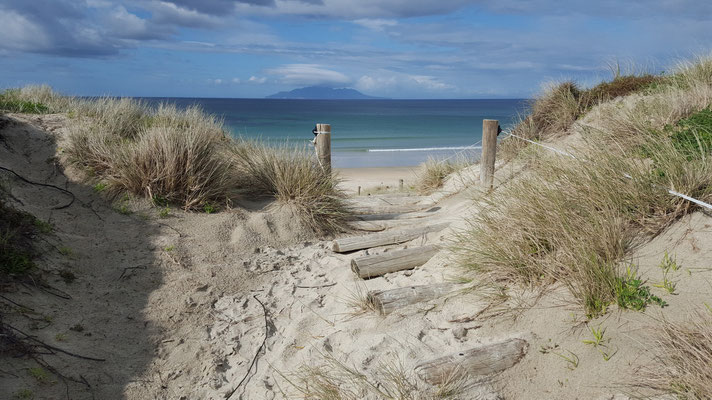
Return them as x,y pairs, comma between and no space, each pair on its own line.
376,265
476,362
387,301
384,238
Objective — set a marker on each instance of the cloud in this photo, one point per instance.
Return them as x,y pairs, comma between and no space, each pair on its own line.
308,74
386,82
377,24
257,80
169,13
122,24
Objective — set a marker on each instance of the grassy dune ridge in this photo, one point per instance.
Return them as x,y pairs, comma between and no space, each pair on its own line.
183,157
576,221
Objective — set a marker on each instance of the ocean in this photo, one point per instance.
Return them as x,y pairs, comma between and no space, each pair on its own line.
366,133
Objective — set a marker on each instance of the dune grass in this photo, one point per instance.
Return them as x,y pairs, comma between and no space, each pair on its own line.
34,99
433,173
292,177
331,379
683,362
574,220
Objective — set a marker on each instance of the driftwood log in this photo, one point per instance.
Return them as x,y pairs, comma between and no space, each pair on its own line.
384,238
477,361
387,301
392,261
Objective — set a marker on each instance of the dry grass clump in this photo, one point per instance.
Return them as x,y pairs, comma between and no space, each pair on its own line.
332,379
433,173
573,221
16,248
177,156
34,99
292,176
683,364
184,156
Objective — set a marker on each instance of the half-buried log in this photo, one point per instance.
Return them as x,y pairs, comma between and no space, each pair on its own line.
392,261
387,301
477,361
384,238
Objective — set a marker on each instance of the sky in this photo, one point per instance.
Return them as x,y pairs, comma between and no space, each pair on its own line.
427,49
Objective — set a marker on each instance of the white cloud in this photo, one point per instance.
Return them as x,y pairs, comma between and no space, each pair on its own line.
308,74
257,80
377,24
235,80
386,82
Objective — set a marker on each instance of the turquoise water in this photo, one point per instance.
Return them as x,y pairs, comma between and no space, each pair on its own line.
366,133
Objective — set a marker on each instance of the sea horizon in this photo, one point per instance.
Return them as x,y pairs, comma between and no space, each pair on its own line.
365,132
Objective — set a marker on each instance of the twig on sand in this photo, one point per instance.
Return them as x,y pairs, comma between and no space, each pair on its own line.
257,354
50,347
46,185
317,286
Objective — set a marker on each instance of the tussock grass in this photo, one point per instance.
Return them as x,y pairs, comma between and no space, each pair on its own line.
433,173
293,177
332,379
573,221
34,99
683,362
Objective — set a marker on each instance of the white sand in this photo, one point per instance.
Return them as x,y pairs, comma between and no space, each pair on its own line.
175,305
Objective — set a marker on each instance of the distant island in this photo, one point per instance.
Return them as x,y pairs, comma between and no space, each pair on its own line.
322,93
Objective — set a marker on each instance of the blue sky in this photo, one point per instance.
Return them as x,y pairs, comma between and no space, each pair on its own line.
389,48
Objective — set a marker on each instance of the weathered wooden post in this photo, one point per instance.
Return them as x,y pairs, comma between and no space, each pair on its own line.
323,145
490,127
400,185
359,190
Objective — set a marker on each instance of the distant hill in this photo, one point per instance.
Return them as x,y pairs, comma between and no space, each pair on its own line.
322,93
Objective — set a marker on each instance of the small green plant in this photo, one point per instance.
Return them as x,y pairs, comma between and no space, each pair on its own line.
60,337
159,201
666,284
571,359
24,394
65,251
40,375
631,293
100,187
164,212
607,354
669,263
209,208
597,334
169,248
43,226
123,209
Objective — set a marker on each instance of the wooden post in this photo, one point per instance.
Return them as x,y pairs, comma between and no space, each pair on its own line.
490,127
400,184
323,145
359,190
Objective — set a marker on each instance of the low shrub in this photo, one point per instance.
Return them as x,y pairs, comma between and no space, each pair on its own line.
16,251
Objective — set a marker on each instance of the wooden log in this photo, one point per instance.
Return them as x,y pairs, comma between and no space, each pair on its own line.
384,238
477,361
369,226
323,145
387,301
490,127
394,216
392,261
